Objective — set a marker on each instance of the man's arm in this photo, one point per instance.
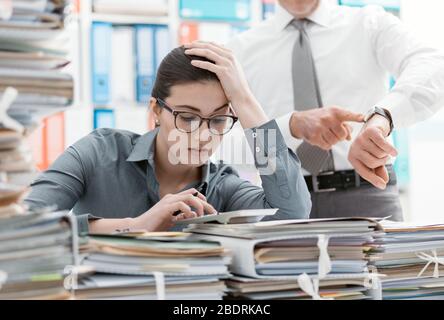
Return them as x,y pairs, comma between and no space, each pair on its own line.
418,69
417,94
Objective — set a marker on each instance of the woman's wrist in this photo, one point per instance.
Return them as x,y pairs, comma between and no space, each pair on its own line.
149,221
243,99
134,223
249,111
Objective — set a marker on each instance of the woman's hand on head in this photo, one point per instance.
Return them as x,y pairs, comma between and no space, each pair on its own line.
225,66
161,216
232,78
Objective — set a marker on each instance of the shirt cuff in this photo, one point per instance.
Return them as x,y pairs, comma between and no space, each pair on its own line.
284,125
400,109
266,143
266,138
83,223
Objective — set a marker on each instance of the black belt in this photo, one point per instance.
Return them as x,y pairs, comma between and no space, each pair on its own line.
342,180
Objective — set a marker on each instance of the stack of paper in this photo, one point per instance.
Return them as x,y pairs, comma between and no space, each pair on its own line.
349,287
35,249
33,49
132,7
16,163
153,266
411,256
269,257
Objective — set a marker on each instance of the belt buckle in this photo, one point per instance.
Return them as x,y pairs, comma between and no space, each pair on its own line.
315,182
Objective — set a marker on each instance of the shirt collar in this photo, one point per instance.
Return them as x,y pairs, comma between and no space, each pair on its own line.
320,16
144,150
144,147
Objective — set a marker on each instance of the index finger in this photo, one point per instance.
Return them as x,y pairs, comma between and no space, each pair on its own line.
349,131
346,115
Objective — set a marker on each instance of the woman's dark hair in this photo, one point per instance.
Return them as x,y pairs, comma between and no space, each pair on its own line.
176,68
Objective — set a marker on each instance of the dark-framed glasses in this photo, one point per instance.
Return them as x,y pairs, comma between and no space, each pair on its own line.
188,122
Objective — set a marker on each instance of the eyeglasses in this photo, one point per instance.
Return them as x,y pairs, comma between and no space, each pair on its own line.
188,122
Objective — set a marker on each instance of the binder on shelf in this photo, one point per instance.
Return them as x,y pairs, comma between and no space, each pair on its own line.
162,44
188,32
145,62
48,141
219,10
101,61
122,74
38,144
104,118
55,137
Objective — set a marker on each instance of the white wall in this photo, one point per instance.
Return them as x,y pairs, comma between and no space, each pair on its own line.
424,18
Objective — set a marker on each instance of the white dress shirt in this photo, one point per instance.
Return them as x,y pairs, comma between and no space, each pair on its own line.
354,50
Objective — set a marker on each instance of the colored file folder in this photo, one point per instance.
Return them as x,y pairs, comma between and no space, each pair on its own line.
162,44
122,74
104,118
188,32
55,137
101,61
145,64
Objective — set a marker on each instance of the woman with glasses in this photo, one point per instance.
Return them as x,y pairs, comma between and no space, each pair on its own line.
117,180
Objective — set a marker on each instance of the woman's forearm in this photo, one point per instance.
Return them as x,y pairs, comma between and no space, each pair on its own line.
108,226
249,111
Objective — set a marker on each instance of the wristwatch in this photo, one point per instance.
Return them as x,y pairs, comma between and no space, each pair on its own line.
382,112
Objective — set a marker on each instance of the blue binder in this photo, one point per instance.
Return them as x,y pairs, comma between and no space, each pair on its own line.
145,62
104,118
162,44
101,61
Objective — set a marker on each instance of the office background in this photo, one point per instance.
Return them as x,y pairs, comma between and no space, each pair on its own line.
116,47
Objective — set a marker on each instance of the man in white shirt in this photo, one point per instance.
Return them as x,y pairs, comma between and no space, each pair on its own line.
323,71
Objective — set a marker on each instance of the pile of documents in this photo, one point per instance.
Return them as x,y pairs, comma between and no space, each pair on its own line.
293,259
35,248
33,49
16,162
159,265
410,258
132,7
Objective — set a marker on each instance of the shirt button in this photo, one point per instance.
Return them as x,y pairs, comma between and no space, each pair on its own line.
254,134
258,149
